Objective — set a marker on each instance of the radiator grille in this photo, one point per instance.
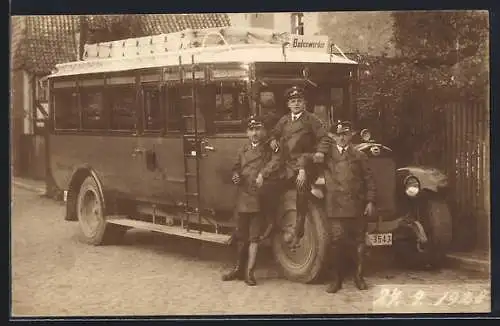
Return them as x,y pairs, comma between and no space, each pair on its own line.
384,173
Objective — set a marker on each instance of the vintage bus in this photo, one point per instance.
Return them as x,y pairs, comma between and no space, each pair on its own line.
143,133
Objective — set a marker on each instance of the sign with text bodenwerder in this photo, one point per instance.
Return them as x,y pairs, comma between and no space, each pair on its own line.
315,43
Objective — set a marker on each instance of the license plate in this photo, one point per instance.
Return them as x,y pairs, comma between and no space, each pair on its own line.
379,239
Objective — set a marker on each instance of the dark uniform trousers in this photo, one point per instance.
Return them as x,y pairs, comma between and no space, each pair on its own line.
251,226
347,235
300,138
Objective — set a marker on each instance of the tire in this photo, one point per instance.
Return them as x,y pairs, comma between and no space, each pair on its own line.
307,263
90,213
437,222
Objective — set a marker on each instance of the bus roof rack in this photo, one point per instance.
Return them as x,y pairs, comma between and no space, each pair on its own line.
186,39
209,46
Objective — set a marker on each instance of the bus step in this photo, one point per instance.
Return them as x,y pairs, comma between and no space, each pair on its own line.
188,174
188,116
173,230
193,194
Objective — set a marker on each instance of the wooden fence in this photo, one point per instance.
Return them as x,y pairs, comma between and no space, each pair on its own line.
464,155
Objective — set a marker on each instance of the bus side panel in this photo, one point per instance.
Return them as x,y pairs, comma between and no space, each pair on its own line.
217,190
163,182
109,156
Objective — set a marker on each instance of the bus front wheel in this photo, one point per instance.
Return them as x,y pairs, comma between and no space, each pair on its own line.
90,212
306,263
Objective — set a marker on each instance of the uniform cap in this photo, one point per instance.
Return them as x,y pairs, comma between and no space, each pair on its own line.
342,127
254,122
294,92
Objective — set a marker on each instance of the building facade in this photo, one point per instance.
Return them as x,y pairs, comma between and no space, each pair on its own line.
290,22
38,43
366,32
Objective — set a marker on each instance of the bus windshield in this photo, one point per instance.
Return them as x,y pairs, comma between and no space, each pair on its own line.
326,102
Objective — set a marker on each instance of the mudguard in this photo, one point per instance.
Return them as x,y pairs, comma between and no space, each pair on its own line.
79,174
429,178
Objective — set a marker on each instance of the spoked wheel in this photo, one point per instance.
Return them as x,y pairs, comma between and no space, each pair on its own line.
90,211
306,262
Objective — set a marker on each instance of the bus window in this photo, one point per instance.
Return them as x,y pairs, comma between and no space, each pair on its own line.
152,109
92,109
337,104
231,108
66,109
122,100
224,107
173,109
272,101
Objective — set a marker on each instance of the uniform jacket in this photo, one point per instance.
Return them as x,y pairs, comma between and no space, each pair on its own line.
305,135
249,163
349,183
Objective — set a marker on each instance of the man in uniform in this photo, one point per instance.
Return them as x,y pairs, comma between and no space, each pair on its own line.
256,172
299,133
350,196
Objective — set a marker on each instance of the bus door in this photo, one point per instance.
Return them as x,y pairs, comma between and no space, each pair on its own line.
226,108
167,132
151,146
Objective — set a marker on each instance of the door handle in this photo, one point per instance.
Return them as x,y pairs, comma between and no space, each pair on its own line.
209,148
138,150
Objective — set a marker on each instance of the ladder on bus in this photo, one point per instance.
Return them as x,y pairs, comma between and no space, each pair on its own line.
192,153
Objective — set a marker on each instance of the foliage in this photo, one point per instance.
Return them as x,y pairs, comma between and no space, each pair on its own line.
441,57
104,28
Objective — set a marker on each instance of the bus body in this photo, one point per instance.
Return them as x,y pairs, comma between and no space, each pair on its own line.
146,138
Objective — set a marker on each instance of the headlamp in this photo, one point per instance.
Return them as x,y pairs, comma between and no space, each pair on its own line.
365,135
412,186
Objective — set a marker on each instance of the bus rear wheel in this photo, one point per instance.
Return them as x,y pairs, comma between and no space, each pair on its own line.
306,263
90,212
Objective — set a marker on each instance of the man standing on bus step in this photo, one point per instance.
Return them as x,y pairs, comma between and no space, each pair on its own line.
350,197
299,133
256,172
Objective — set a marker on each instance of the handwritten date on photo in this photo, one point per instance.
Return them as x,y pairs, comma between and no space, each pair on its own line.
400,296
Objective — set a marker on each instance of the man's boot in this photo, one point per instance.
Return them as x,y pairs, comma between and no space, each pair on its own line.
302,206
359,281
238,272
252,259
336,272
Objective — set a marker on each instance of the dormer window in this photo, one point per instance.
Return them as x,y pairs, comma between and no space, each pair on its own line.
297,23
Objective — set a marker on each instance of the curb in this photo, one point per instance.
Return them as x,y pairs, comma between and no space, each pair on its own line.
469,263
38,189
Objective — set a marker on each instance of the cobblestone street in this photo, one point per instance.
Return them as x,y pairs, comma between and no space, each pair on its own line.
54,273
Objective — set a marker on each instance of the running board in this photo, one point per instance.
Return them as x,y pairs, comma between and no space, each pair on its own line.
172,230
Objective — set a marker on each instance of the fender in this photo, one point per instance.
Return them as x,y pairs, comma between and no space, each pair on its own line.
79,174
429,178
373,149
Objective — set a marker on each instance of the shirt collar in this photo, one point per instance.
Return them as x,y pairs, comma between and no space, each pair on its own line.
298,115
342,149
254,145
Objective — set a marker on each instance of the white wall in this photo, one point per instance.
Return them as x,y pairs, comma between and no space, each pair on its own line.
310,20
239,19
27,104
282,21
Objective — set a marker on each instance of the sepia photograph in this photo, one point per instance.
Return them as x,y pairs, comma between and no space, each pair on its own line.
235,164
